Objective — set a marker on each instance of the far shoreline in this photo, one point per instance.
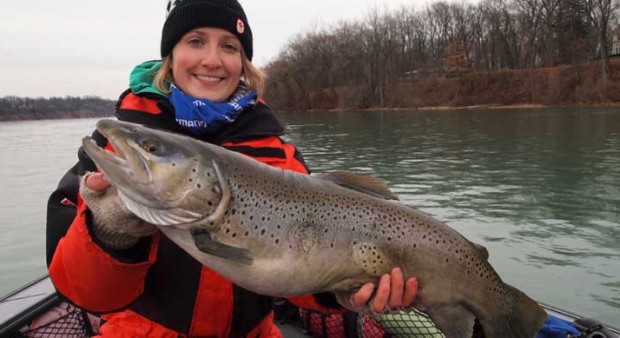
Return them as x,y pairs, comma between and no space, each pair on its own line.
523,106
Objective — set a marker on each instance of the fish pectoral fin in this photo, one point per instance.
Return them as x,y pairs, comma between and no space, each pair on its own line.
452,320
363,183
205,243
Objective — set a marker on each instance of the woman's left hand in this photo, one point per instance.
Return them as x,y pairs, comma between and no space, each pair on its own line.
393,293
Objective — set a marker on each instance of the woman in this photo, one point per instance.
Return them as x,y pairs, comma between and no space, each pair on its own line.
105,260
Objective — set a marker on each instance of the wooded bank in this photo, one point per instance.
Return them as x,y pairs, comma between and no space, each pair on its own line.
570,85
13,108
493,52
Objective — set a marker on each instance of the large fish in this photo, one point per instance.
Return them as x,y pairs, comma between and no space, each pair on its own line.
282,233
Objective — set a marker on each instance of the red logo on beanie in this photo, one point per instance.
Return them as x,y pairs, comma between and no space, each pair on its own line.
240,26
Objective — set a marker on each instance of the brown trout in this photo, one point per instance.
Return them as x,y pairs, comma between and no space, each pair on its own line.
282,233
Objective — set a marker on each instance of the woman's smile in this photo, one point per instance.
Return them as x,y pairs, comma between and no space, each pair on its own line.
208,78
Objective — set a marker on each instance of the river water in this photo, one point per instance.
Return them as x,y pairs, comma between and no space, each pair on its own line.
540,189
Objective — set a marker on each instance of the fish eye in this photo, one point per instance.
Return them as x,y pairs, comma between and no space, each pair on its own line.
150,146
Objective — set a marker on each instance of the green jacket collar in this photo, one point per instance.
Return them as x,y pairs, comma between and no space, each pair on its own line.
141,78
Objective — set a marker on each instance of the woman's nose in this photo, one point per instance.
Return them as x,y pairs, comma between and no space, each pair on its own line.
211,58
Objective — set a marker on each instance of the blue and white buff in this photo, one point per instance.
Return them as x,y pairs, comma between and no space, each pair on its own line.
202,117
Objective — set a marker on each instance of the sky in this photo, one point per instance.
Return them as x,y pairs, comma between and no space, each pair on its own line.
79,48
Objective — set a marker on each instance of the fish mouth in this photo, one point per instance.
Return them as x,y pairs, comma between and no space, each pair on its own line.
127,168
126,163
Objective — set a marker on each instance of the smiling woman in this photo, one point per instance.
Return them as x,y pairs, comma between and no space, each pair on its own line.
108,259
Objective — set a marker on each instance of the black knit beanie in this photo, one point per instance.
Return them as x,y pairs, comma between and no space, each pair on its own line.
185,15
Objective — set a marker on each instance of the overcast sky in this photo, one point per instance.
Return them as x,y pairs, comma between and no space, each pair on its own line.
69,47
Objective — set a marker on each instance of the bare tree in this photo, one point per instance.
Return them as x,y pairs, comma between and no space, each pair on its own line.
600,13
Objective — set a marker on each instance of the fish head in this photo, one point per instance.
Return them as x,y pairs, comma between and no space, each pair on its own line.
160,176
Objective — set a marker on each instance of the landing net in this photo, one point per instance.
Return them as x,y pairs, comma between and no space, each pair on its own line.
401,324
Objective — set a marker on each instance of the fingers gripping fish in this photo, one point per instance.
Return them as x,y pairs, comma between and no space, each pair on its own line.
281,233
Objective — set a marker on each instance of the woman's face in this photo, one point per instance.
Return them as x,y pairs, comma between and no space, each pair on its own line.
206,63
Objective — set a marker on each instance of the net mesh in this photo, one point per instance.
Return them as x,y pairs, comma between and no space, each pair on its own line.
408,324
64,321
401,324
321,325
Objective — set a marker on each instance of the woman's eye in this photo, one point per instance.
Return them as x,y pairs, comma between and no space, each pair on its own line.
231,47
194,42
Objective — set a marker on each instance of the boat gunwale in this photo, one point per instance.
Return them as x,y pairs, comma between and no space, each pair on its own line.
28,314
21,318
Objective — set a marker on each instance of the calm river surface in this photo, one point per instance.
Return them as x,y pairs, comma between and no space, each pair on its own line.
539,188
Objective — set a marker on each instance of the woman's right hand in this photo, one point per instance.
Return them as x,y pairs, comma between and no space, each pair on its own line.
114,225
393,294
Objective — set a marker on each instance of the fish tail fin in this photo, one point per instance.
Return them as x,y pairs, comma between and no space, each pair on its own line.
523,317
529,315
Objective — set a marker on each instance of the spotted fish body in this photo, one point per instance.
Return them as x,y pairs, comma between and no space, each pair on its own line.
281,233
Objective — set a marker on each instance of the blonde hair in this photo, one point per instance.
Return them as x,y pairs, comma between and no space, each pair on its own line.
251,76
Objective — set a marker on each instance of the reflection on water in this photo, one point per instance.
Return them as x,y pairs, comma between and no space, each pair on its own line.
539,188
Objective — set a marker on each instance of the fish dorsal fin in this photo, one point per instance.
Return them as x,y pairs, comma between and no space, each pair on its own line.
484,253
363,183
